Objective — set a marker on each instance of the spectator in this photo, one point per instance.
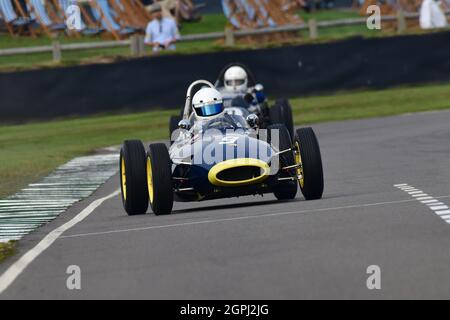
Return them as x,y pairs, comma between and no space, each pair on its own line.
162,32
432,15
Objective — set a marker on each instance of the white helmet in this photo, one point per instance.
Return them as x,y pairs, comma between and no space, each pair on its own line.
207,104
236,79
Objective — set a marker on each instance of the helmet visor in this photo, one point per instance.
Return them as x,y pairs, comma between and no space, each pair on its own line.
209,109
236,82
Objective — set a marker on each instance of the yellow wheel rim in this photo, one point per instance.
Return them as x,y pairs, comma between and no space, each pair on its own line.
150,180
298,161
124,179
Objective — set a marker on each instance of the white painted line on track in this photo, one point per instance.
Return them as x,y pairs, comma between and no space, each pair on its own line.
439,208
265,215
425,198
429,201
22,263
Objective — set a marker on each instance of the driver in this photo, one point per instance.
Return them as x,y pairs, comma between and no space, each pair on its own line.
207,104
209,110
236,80
236,91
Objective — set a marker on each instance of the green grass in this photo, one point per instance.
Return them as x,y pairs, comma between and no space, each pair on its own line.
213,22
6,250
30,151
324,15
209,23
367,104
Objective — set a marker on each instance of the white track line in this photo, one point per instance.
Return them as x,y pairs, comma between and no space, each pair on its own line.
235,218
439,208
419,195
20,265
425,198
429,201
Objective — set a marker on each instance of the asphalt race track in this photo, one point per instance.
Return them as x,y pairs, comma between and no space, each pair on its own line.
258,248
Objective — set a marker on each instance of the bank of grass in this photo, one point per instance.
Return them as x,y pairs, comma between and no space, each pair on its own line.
209,23
368,104
30,151
6,249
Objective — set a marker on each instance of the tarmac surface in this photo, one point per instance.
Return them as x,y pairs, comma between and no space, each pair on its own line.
259,248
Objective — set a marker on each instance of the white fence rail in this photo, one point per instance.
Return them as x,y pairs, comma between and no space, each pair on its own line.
137,47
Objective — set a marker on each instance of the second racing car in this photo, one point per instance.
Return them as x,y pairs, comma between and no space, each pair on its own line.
242,95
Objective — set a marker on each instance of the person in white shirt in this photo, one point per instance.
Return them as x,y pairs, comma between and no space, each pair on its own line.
431,15
162,32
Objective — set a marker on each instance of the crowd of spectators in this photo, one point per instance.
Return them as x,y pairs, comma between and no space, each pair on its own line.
163,17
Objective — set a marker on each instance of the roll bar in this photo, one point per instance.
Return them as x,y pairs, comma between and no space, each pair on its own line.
188,104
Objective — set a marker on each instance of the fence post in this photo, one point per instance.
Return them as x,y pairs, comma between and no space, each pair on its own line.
313,31
229,37
401,21
141,44
134,45
56,51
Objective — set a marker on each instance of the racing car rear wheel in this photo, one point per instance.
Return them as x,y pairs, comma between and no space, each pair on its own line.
173,125
159,179
281,112
307,153
285,189
133,179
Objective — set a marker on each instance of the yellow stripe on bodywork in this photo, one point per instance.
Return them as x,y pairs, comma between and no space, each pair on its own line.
240,162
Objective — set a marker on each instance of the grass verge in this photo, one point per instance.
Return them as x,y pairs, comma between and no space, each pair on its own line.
6,250
30,151
210,23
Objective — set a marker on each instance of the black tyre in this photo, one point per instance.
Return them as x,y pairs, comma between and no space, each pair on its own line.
133,177
308,153
159,178
281,112
173,125
287,189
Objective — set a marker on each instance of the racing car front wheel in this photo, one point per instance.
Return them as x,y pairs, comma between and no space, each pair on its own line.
133,179
281,112
310,173
284,189
159,179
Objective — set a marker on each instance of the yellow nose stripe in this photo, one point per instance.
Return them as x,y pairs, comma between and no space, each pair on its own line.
237,163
